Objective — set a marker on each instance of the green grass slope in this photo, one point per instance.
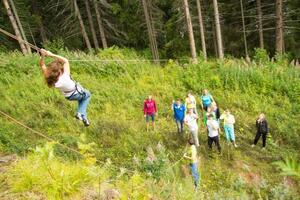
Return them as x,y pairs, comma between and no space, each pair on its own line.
118,128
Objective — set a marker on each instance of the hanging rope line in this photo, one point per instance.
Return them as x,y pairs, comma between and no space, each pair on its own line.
38,133
20,40
76,60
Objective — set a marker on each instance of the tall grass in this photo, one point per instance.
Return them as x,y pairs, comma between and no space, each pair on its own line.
118,128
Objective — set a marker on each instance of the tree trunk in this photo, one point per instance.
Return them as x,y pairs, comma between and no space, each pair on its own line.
260,25
19,25
153,28
36,11
201,26
88,10
15,26
213,30
218,30
152,39
279,27
84,34
190,29
100,25
244,30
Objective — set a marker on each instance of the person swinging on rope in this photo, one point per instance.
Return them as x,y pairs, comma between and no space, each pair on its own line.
57,74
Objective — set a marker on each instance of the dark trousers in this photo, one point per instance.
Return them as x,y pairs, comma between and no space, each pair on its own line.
264,138
216,141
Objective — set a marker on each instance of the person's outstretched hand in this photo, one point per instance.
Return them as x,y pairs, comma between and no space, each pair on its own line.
43,52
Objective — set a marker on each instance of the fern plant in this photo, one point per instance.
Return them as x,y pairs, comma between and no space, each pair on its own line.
289,167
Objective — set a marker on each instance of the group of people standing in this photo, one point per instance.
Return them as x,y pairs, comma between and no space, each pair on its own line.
186,114
58,74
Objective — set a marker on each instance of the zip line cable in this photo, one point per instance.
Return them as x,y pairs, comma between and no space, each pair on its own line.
76,60
62,145
20,40
38,133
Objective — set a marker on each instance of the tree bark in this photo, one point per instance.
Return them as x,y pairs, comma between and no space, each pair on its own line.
100,25
244,30
19,25
84,34
153,28
90,18
260,25
190,29
213,30
218,30
152,39
279,27
15,26
36,12
201,26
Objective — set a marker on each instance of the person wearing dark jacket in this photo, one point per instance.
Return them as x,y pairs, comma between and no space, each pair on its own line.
262,130
216,110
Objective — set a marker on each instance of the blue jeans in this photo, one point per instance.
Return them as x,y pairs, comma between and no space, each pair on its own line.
195,174
179,124
229,131
83,99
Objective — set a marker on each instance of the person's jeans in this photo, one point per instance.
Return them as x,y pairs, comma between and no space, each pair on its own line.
83,99
179,124
229,132
195,174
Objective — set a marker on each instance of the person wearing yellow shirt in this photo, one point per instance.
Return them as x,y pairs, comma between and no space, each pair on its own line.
190,102
191,156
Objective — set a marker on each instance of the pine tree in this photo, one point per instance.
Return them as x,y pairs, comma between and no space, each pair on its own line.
190,30
15,26
218,30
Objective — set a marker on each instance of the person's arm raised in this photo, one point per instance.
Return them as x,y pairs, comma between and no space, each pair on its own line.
62,59
42,63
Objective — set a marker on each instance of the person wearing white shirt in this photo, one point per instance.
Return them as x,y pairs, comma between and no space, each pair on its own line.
191,121
213,133
229,121
58,74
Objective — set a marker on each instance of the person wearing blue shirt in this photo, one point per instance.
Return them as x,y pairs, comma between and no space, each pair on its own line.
206,99
179,114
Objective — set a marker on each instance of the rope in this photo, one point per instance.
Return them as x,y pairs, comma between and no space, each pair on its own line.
20,40
38,133
119,60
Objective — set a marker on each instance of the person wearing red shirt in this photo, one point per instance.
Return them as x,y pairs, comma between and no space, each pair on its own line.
150,110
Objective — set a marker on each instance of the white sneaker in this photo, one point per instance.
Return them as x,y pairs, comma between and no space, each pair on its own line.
235,145
78,116
252,145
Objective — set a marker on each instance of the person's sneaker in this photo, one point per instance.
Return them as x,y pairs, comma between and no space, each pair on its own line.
264,148
235,145
78,116
252,145
85,122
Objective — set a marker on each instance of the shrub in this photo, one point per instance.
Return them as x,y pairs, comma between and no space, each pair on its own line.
261,56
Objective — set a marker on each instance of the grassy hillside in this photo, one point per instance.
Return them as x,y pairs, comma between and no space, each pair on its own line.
118,131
